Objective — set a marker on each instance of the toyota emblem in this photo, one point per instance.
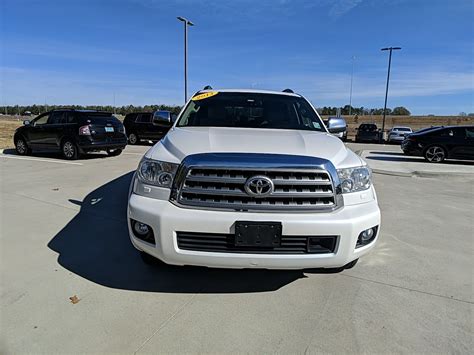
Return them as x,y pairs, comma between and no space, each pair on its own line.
259,186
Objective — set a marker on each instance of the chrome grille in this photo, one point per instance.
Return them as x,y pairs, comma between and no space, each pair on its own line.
207,182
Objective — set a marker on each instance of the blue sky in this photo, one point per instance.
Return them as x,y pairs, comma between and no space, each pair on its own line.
82,52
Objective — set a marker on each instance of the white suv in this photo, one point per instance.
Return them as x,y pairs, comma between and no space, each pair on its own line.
252,179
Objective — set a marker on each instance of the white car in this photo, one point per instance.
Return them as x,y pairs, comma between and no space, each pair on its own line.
397,134
252,179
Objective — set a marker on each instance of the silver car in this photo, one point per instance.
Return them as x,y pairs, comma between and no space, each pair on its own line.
397,134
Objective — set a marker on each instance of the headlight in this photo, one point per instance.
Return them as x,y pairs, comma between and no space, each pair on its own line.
158,173
355,179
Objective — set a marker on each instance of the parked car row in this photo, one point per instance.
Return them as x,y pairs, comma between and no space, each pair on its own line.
76,132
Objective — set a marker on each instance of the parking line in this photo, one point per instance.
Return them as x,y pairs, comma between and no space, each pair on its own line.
39,159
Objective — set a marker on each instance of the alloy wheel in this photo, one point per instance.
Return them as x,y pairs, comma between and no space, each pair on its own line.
132,138
21,146
435,154
68,149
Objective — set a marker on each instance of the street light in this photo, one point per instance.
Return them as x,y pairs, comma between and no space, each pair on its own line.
352,76
386,89
186,23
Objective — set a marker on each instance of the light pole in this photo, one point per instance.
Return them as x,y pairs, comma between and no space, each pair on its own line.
186,23
352,77
386,89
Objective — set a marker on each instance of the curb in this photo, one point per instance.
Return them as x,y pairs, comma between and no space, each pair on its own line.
416,173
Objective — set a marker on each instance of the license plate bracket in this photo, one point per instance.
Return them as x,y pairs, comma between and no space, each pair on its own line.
258,234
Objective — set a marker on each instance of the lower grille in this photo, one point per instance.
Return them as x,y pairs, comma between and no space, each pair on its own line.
225,243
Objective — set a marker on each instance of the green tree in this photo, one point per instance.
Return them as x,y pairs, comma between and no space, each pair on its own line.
401,111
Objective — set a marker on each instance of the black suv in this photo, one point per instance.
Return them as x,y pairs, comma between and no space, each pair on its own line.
148,125
438,144
367,132
73,132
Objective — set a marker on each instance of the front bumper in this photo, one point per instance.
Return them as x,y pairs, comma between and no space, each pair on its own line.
411,148
166,219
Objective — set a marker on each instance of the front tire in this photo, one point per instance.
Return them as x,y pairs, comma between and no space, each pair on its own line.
435,154
114,152
69,150
133,139
21,147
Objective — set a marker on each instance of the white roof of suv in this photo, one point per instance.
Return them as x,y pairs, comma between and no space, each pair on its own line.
253,91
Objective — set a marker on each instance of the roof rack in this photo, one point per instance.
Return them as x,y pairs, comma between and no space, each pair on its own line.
289,91
207,87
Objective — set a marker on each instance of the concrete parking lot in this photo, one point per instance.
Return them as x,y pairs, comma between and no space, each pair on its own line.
71,282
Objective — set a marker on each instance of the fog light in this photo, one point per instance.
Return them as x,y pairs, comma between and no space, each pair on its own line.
142,231
141,228
366,236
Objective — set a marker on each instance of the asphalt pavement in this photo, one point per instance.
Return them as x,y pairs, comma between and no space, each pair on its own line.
72,283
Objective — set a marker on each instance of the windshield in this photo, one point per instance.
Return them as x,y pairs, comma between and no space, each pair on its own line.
402,129
251,110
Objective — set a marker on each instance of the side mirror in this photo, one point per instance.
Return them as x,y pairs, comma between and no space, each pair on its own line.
161,120
336,125
174,117
26,122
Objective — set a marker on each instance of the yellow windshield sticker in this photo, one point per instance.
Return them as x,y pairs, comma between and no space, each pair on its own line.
204,95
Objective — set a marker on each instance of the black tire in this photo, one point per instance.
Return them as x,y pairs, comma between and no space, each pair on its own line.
21,147
69,150
133,138
114,152
435,154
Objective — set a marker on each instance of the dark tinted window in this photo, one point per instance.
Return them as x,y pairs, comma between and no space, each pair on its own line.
56,117
70,117
144,118
163,114
99,118
41,119
368,127
470,132
251,110
450,132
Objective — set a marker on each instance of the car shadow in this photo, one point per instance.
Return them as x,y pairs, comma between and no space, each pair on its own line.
95,245
56,155
400,157
400,154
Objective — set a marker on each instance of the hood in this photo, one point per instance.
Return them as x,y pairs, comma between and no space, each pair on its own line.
181,142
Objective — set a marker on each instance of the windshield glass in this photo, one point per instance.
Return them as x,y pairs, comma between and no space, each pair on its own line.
402,129
251,110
